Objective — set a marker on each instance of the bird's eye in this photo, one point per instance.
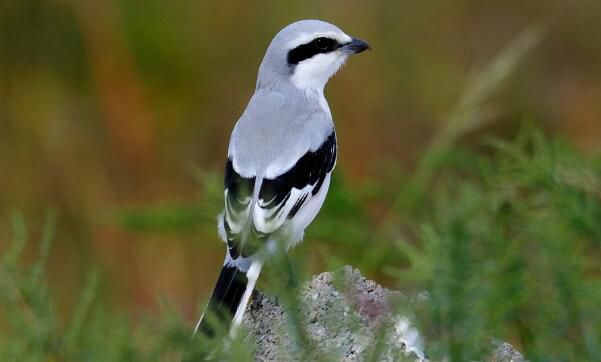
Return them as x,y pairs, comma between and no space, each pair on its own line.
325,44
316,46
321,43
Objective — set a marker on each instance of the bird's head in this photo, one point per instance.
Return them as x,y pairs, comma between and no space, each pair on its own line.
307,53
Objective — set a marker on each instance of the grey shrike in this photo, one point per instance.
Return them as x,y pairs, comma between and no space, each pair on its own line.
281,154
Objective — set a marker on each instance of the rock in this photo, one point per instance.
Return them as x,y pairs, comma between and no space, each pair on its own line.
505,353
367,311
344,317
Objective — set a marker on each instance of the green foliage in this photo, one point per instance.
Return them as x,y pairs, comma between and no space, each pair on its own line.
506,243
32,330
508,246
504,238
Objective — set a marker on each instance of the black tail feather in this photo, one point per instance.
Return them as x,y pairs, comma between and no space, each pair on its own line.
225,299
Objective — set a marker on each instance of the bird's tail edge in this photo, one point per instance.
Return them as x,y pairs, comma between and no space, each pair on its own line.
229,299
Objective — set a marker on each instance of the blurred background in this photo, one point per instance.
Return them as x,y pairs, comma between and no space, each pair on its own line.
117,114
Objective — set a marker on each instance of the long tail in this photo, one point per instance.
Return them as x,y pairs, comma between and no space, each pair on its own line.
230,297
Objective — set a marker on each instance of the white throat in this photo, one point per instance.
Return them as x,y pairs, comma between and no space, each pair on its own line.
313,73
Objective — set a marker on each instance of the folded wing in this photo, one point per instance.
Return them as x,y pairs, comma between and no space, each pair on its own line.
279,200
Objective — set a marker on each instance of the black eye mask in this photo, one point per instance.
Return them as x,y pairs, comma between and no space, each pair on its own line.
316,46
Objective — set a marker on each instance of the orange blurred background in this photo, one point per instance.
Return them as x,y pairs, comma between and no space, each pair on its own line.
120,104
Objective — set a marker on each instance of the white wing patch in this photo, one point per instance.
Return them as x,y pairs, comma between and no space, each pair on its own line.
269,218
236,211
257,210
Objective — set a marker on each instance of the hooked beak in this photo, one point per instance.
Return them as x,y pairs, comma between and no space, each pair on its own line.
356,46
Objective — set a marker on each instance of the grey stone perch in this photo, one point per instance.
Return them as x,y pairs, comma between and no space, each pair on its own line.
363,313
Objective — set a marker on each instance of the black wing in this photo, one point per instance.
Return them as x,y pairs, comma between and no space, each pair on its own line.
279,200
292,189
238,192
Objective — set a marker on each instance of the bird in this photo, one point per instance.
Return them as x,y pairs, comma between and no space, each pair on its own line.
280,158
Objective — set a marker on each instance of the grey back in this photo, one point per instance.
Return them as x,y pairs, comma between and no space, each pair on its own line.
281,121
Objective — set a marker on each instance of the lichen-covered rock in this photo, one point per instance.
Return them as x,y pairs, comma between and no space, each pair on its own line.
344,317
505,353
